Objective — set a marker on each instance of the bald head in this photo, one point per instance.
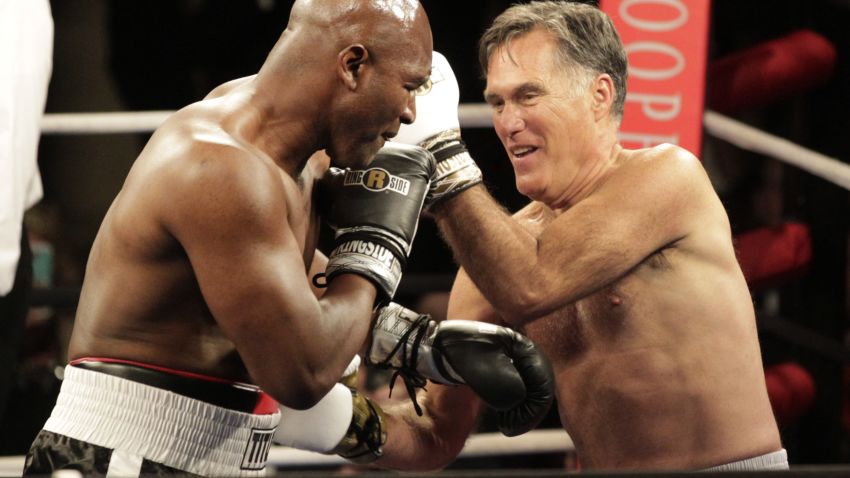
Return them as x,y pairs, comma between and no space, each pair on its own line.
337,12
378,24
348,69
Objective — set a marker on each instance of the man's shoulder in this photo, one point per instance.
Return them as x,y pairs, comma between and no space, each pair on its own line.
665,152
190,146
662,175
663,159
197,169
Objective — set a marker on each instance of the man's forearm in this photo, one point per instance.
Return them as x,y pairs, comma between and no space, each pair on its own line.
427,442
499,254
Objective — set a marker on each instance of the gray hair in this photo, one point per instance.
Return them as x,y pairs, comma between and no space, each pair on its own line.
587,40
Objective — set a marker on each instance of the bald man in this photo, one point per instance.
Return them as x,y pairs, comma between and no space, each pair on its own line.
197,310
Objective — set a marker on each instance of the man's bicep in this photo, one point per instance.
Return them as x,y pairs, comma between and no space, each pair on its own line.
608,234
244,255
252,280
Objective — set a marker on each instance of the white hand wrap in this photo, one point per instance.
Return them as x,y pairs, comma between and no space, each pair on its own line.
321,427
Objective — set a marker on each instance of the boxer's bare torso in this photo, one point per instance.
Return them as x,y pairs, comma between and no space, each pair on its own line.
661,367
141,299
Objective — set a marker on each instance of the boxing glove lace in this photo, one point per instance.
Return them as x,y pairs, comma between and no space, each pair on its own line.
501,366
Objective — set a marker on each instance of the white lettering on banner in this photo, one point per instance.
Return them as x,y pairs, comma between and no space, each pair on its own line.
667,106
654,25
656,47
666,43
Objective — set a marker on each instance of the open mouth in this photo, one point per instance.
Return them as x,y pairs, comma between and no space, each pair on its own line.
522,151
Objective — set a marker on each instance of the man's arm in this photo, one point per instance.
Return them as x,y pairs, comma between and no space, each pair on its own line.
450,413
637,211
320,262
646,204
250,269
431,439
434,440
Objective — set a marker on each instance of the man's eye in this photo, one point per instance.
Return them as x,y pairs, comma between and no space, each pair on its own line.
424,88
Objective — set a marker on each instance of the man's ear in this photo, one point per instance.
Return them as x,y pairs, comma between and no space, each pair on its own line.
603,95
350,64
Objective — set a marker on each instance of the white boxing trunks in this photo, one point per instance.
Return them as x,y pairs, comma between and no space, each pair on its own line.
777,460
147,428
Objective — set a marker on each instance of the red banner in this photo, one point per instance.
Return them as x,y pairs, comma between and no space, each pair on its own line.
667,43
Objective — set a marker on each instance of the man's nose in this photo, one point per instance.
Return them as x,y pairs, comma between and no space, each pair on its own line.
408,116
510,120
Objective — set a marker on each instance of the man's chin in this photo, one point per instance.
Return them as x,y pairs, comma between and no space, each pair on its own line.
528,191
367,153
356,159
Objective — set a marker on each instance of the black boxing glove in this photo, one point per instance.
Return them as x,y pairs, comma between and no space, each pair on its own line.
375,214
539,380
501,366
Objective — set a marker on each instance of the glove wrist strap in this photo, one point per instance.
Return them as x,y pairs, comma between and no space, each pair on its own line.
368,258
456,170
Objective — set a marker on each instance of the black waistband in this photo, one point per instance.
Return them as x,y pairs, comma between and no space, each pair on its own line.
220,394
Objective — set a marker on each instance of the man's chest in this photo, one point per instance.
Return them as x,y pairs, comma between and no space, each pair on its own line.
603,321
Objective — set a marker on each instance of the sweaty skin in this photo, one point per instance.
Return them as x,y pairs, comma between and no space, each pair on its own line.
623,272
203,261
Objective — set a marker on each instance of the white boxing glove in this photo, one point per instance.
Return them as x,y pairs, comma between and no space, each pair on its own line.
437,129
436,105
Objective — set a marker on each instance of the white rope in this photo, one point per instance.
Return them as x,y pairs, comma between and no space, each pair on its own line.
752,139
478,445
103,123
478,115
473,115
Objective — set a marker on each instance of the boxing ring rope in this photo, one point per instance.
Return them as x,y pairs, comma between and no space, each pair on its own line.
478,445
103,123
477,115
752,139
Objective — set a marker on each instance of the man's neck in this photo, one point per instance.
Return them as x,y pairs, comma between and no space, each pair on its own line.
597,165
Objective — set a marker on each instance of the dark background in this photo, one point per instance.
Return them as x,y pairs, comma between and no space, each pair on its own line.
117,55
